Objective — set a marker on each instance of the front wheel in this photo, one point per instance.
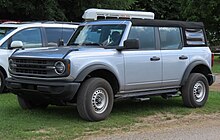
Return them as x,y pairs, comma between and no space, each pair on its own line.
95,99
195,91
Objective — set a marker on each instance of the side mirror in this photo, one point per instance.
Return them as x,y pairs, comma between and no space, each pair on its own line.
60,42
130,44
16,45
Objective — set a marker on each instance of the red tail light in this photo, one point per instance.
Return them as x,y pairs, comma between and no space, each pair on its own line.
212,59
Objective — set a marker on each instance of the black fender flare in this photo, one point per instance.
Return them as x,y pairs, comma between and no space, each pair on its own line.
190,68
82,75
3,71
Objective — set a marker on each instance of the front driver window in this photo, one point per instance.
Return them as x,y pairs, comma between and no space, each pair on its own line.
31,38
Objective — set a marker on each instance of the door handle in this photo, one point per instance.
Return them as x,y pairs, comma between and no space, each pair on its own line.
182,57
154,58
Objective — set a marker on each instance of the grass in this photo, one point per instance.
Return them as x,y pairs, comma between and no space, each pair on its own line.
216,67
65,123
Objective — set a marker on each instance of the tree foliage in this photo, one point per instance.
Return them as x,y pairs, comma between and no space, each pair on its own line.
168,9
31,10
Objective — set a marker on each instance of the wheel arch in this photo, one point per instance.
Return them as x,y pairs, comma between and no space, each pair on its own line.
197,67
101,71
3,72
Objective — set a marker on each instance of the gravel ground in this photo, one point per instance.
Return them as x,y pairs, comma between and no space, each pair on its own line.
210,131
190,127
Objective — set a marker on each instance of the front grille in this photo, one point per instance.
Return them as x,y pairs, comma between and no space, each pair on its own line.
33,67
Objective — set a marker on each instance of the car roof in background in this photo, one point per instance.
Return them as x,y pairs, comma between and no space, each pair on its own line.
40,23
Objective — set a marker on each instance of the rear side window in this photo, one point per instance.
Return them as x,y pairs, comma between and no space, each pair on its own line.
145,35
195,37
56,34
170,38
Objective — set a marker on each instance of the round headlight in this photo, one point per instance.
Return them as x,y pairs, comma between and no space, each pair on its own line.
59,67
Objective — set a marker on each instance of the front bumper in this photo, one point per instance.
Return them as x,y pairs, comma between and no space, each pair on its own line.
31,89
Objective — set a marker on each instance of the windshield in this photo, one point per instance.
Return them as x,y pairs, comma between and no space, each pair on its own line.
98,35
5,30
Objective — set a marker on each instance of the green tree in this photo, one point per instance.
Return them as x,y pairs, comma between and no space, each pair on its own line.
31,10
168,9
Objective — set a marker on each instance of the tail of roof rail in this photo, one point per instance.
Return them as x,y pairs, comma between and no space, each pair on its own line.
45,22
94,14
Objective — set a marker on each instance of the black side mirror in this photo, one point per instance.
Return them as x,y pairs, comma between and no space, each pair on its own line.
60,42
130,44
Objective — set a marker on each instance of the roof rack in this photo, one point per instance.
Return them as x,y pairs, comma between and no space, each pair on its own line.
11,22
37,22
94,14
51,22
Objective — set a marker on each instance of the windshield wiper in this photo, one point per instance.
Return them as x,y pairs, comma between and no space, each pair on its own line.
76,44
93,44
88,44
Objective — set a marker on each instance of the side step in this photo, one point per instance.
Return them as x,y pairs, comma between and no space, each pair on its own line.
145,93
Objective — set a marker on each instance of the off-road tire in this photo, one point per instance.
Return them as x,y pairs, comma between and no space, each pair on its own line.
195,91
95,99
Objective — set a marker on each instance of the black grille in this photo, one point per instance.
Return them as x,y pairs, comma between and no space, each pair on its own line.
33,67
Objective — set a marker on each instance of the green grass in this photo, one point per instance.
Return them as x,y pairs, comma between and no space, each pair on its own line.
65,123
216,67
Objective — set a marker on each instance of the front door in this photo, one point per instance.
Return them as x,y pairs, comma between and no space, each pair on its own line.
143,67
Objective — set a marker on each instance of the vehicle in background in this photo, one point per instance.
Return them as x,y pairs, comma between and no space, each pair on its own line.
30,35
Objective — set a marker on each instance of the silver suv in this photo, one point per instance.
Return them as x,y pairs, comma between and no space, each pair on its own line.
30,35
111,59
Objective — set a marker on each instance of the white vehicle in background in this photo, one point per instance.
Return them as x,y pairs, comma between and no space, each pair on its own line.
30,35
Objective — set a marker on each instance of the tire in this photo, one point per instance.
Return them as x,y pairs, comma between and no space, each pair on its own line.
27,104
95,99
2,82
195,91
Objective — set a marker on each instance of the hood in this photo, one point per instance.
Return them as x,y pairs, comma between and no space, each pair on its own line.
56,52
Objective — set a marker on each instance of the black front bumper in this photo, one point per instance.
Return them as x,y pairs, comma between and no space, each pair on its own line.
41,89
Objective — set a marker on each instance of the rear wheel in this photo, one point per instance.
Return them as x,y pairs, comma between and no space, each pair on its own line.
28,104
95,99
2,82
195,91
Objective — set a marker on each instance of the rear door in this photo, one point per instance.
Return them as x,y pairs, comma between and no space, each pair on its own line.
175,58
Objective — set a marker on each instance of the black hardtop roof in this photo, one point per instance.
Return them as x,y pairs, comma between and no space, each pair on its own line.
166,23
